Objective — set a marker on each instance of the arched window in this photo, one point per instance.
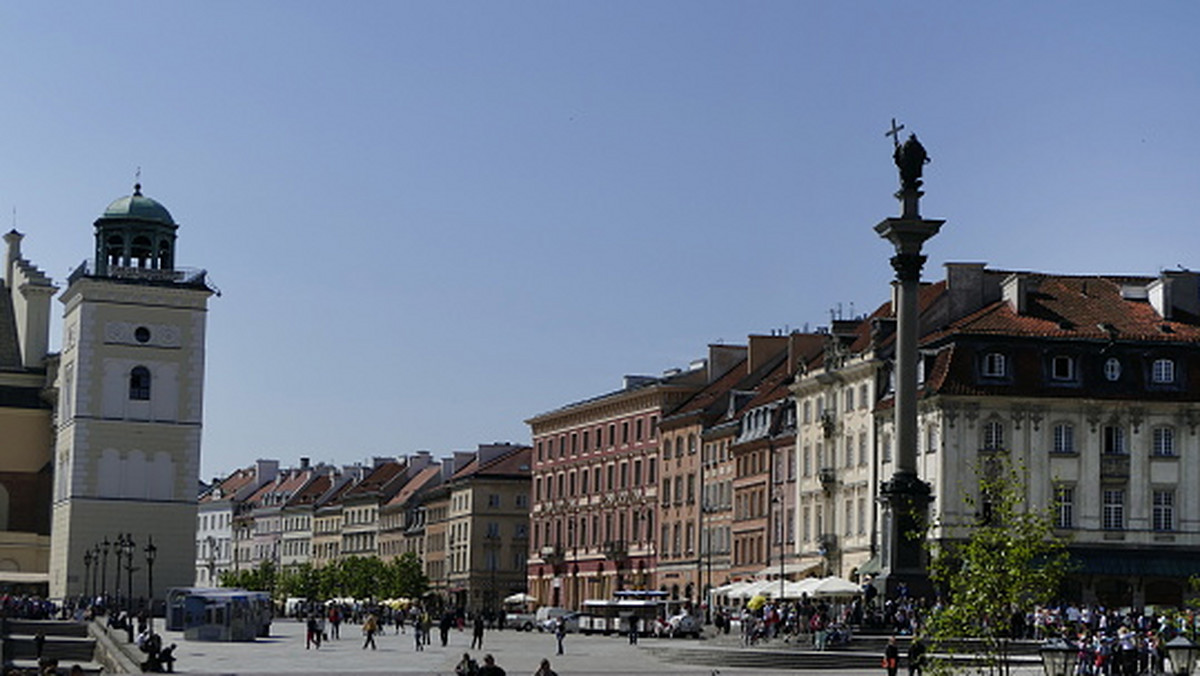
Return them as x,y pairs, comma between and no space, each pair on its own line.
139,384
141,251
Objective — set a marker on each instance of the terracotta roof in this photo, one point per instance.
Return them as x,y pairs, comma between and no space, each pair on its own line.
415,484
1078,307
714,394
512,463
230,485
379,480
313,491
286,484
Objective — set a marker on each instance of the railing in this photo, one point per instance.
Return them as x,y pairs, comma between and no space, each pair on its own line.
828,477
616,550
182,276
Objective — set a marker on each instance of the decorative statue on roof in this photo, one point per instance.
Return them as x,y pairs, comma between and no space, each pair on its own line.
911,158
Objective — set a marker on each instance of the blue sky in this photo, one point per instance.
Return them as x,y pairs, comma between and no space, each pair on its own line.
431,221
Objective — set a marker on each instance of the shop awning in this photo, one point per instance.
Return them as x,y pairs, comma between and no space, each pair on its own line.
1135,563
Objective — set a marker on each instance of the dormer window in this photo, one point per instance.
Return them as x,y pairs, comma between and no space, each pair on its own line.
1163,371
1112,369
995,365
1062,367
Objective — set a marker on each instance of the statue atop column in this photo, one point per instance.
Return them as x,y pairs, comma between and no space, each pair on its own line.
911,159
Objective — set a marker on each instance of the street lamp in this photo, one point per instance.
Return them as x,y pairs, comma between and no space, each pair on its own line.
151,553
1058,658
129,548
212,560
87,573
95,573
118,547
104,569
1183,654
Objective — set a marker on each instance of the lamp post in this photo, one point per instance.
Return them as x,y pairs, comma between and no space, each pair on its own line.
87,573
1058,658
151,553
211,543
118,547
129,548
104,569
1183,654
95,572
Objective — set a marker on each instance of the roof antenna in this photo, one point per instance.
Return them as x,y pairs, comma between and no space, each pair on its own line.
137,186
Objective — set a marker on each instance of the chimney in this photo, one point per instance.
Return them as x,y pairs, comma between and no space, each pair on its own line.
304,463
1176,293
763,349
969,287
1014,290
721,358
265,470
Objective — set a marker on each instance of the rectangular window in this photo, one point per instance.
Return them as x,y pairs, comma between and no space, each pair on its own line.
1114,440
1064,438
1163,371
637,429
1062,368
1164,510
862,449
1114,509
993,436
993,365
1064,507
1164,441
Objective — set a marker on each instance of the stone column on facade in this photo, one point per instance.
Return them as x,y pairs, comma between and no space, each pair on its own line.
905,497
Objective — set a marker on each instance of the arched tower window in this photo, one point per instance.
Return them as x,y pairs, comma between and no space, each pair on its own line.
139,384
140,252
115,252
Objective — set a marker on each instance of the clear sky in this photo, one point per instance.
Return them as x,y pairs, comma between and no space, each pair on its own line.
431,221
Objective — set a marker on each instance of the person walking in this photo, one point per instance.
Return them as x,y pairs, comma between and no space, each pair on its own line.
370,627
490,668
335,622
418,636
560,632
477,632
633,629
312,634
891,656
916,656
545,670
444,627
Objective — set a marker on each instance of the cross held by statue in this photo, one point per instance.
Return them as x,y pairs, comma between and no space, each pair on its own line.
895,133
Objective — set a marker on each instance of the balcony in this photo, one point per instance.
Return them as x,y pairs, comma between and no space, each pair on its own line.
552,555
616,550
828,422
1114,467
828,477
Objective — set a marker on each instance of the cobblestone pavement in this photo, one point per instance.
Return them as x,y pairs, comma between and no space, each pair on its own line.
517,652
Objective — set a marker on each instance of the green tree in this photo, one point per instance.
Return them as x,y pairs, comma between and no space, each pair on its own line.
407,577
261,578
1007,562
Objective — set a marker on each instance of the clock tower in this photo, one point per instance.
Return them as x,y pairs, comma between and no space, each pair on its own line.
130,388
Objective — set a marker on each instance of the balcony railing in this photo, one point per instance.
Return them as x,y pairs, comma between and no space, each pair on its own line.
616,550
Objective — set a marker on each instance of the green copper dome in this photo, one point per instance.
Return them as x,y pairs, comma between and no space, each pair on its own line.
139,208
